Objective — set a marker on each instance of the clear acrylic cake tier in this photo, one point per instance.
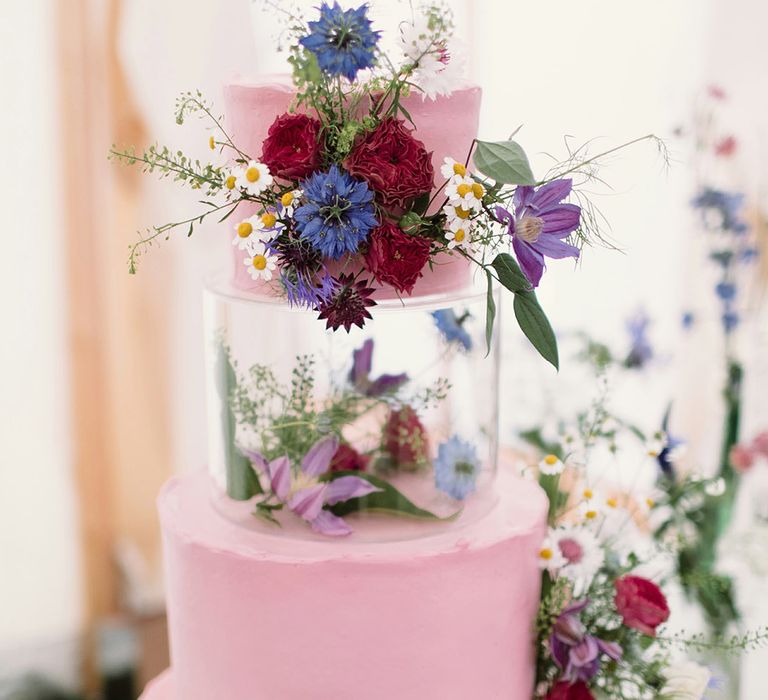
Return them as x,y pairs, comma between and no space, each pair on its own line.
386,432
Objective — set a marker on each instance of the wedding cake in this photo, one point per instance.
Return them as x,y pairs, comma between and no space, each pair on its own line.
353,536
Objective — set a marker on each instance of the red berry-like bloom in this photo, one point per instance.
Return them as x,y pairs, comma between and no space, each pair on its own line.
395,257
292,147
405,440
394,164
349,304
570,691
641,604
348,459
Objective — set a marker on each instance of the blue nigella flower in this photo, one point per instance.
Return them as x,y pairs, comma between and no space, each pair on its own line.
688,319
452,328
726,291
306,291
342,40
456,468
665,458
640,350
730,319
728,204
337,214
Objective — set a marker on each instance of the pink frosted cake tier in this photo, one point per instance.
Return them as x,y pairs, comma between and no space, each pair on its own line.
269,617
446,125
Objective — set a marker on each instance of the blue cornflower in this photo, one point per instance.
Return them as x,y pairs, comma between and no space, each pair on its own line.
306,290
452,328
728,204
337,214
688,319
726,291
456,468
342,40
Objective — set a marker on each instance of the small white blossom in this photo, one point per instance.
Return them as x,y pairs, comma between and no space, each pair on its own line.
290,201
261,263
581,550
465,192
254,178
550,556
551,465
458,234
451,169
685,680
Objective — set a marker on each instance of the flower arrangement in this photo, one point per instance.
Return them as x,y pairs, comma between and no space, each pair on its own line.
604,602
347,193
295,454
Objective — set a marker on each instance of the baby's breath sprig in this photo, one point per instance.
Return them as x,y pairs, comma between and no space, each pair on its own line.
749,641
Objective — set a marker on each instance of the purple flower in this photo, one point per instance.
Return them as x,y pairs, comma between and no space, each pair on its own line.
308,502
640,350
540,224
577,653
359,375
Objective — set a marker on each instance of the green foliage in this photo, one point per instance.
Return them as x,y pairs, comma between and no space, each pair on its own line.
504,161
490,314
510,274
534,323
387,500
242,480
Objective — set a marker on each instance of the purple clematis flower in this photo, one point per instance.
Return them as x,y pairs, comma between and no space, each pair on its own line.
359,375
308,502
539,224
577,653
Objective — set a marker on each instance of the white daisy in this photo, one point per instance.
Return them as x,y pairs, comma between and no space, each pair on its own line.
465,192
267,224
289,202
230,178
452,168
453,212
458,234
550,556
551,466
581,550
245,232
254,178
262,262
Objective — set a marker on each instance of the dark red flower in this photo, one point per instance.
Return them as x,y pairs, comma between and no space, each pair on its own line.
348,459
394,164
405,439
292,147
395,257
349,304
641,604
570,691
726,147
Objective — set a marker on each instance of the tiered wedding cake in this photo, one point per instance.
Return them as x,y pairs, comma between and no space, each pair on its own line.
353,539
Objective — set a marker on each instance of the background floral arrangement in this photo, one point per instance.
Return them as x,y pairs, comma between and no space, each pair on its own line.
606,577
347,193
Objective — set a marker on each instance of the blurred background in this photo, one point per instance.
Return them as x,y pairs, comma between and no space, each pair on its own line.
101,373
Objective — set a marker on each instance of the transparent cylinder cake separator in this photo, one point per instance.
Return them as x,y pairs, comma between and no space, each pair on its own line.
386,432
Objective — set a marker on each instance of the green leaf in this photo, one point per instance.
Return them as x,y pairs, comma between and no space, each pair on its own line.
534,323
421,203
490,314
242,481
510,274
504,161
388,500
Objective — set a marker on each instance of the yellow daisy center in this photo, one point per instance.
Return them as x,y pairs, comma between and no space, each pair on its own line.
477,190
650,502
588,493
230,182
463,190
287,199
590,514
611,502
252,174
244,229
212,142
462,213
259,262
546,554
459,169
459,235
551,460
268,219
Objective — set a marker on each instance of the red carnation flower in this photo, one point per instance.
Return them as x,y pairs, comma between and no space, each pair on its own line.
395,257
405,439
641,604
570,691
394,164
292,147
348,459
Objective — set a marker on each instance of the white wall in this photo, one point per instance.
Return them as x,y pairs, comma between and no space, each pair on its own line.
39,560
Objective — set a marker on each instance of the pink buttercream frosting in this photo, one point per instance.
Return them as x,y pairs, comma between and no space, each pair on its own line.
446,125
264,617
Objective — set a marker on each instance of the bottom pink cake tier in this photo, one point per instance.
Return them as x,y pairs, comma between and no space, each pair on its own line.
257,616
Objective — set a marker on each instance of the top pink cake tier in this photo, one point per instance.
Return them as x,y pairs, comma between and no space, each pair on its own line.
446,126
